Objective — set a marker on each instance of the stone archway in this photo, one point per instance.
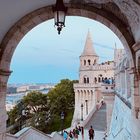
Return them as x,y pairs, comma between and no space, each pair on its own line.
24,25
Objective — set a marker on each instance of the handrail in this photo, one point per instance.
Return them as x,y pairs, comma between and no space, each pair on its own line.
123,100
25,132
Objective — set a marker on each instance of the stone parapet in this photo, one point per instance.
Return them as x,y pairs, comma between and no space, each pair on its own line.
85,85
97,67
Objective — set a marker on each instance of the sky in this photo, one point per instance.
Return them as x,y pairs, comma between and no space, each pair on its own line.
43,56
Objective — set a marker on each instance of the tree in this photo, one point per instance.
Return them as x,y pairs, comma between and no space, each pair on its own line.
62,100
43,111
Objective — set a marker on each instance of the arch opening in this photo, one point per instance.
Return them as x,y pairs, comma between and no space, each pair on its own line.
24,25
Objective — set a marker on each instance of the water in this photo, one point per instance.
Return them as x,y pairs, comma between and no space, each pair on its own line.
14,98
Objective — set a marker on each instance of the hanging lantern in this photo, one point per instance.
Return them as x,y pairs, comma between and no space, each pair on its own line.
59,15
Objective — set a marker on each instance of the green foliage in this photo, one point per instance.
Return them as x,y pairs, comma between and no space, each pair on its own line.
43,111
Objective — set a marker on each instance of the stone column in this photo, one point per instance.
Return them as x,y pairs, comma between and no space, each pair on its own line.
135,107
135,91
4,75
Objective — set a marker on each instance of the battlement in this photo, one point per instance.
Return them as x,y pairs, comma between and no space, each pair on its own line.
102,66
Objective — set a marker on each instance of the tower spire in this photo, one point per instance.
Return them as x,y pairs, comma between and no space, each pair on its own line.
89,49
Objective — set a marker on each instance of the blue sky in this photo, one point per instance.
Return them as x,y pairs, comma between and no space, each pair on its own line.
43,56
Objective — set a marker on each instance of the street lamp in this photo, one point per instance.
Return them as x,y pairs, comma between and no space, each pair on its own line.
86,106
82,112
59,15
62,121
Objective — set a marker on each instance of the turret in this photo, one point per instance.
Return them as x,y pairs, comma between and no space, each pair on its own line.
89,56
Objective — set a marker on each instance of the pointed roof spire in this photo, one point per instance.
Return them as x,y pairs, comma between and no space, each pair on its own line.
88,49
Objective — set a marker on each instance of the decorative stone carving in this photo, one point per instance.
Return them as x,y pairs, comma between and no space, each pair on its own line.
132,12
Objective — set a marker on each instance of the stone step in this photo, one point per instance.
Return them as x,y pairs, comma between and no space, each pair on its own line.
98,120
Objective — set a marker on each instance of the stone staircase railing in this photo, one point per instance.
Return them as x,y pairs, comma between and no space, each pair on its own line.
96,108
89,117
30,133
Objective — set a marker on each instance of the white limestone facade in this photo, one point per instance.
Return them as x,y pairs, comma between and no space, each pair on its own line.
122,74
121,126
94,78
121,121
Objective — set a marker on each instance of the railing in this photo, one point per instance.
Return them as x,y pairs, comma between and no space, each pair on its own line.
78,85
30,133
124,100
97,67
89,116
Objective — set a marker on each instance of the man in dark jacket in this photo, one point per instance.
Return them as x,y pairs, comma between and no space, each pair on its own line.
91,133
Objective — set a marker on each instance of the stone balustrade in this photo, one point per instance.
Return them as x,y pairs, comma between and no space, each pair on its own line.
30,133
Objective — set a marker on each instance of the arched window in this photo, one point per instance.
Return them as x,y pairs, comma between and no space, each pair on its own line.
95,61
99,79
95,80
87,80
89,62
103,79
84,62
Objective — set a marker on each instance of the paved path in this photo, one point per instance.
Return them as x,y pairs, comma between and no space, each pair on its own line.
98,120
98,135
99,123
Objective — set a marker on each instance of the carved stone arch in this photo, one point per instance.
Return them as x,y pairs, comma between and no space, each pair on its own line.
25,24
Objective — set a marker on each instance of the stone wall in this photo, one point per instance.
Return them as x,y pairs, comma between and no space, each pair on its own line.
120,128
30,133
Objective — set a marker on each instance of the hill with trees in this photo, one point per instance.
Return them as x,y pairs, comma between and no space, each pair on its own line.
43,111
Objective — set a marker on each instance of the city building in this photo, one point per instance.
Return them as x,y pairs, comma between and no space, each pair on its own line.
94,78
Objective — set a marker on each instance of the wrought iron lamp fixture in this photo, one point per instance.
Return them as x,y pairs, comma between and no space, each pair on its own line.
59,15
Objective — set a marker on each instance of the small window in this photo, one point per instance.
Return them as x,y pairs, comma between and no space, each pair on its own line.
84,62
87,80
106,88
88,62
99,79
95,79
112,87
95,61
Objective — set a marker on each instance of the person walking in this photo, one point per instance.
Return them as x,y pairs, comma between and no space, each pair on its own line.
65,135
91,133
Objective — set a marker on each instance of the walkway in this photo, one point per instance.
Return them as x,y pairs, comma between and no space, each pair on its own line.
98,120
98,135
99,123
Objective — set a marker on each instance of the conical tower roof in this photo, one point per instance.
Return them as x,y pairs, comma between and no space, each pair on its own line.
89,49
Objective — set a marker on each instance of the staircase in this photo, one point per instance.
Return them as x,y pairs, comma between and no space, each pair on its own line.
30,133
98,120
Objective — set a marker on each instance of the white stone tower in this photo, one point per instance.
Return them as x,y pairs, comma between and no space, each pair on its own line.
92,82
86,89
88,59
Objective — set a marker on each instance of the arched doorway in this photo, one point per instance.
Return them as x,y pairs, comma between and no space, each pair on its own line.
17,31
